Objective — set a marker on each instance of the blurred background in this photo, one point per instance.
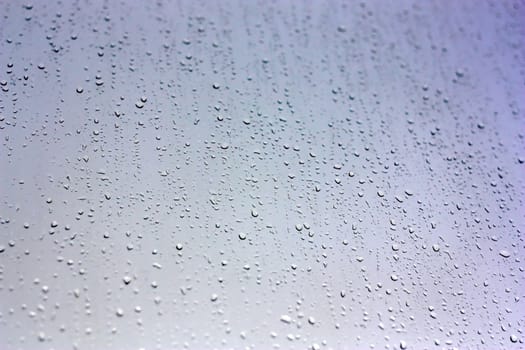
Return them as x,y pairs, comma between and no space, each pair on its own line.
262,174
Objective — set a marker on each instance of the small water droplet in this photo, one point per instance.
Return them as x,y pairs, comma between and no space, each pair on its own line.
41,336
286,319
504,253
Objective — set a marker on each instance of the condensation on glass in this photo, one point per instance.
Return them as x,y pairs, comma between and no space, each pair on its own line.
262,175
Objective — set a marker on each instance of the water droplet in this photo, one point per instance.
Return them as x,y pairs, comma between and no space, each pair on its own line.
286,319
504,253
41,336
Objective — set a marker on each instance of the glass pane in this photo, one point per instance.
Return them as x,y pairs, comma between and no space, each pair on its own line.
262,174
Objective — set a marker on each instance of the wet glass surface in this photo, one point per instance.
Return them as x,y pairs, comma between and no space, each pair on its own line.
262,175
